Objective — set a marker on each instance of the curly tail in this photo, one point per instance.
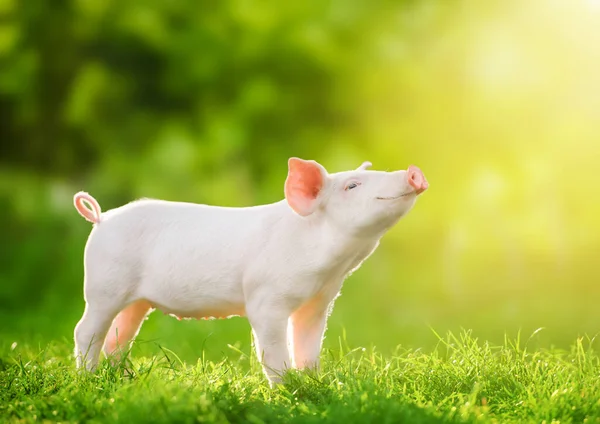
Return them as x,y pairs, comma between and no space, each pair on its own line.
90,210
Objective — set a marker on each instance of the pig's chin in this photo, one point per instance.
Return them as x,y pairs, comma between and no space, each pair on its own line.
408,193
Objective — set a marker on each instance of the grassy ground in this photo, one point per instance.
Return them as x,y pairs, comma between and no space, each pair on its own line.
463,380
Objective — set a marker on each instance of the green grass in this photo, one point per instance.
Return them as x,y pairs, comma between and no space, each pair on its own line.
462,380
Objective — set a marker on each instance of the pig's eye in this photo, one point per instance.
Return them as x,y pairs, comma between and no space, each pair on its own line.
351,186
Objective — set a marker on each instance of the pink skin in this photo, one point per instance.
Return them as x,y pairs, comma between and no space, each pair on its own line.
125,327
303,185
416,179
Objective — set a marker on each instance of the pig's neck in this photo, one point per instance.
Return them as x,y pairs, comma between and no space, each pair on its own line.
333,249
330,232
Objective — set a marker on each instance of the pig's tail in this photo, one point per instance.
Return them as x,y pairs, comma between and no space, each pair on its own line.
87,207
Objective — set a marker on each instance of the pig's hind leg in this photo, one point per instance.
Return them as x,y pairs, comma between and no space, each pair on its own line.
124,328
90,332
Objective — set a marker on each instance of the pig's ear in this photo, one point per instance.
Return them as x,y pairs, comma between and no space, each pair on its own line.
305,180
364,166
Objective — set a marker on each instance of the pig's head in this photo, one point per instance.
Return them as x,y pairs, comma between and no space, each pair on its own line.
360,202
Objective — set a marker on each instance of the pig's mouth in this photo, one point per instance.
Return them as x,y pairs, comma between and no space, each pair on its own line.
395,197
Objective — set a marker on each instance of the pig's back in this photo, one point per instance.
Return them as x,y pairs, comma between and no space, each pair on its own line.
154,238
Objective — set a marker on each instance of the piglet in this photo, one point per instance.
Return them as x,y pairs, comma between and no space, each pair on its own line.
281,265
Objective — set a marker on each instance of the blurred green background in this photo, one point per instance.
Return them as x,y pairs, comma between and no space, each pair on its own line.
497,101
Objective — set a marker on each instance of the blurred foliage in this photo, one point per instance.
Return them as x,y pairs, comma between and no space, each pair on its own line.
498,102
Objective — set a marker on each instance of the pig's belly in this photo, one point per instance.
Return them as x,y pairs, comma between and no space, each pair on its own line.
215,311
200,298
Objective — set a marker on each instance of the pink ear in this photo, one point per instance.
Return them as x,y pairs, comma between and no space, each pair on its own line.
303,184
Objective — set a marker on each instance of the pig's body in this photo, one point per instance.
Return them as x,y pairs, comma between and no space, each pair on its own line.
281,265
198,261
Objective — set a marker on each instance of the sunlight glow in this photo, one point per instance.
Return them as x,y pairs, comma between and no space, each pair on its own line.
594,4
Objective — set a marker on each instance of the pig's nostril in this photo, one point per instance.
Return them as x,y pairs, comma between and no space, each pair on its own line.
416,179
412,179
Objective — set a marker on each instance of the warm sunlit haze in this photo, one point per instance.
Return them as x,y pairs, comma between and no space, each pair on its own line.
498,102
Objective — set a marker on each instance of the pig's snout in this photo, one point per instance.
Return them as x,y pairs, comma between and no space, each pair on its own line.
416,179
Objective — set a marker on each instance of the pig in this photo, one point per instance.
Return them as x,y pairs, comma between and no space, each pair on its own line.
281,265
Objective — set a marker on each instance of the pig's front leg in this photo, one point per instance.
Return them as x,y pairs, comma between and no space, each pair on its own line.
269,321
307,328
